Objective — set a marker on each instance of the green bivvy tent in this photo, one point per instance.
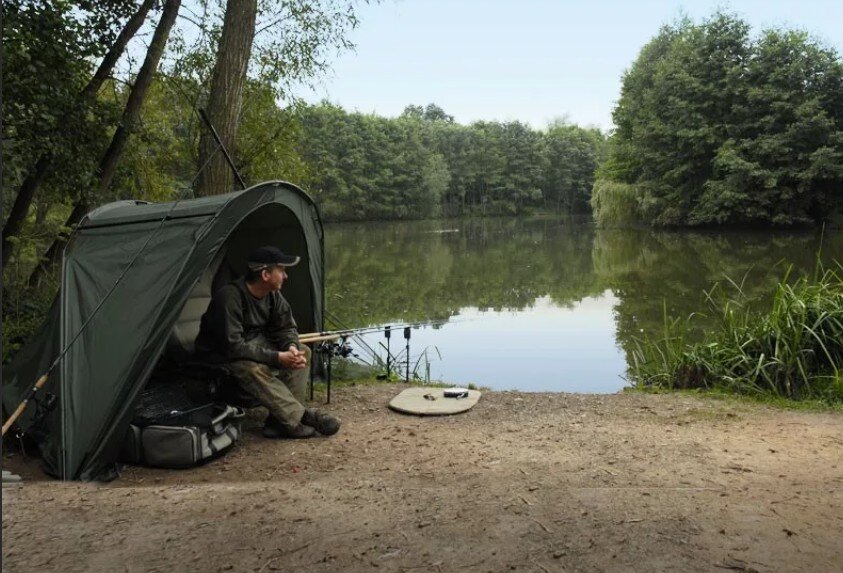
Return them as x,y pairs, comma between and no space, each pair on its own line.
165,260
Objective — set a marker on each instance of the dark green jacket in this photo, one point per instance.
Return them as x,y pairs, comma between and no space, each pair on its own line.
238,326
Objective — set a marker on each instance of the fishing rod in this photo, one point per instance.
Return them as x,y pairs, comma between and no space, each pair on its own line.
312,336
220,147
360,340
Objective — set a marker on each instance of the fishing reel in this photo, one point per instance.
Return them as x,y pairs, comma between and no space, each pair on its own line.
330,348
44,404
340,348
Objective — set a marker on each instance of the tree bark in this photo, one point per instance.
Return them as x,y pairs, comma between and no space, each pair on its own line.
43,166
226,96
108,163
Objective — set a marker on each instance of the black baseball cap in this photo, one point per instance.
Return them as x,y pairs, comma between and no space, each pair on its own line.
268,256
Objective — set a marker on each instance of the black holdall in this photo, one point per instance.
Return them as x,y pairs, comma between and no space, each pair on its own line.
186,439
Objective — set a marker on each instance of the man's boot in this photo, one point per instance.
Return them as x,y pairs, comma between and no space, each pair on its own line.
275,429
322,422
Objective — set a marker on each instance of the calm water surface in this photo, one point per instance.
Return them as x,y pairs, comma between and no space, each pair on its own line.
541,305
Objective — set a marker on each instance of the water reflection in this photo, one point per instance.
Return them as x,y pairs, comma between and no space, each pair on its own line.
543,304
541,347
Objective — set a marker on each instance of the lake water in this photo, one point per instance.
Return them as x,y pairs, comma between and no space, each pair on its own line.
540,304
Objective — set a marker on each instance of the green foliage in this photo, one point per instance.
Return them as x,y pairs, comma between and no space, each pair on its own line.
614,204
267,138
717,127
792,350
23,310
161,157
294,42
368,167
423,165
47,52
572,155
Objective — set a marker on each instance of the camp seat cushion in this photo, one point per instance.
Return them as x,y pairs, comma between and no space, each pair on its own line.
180,346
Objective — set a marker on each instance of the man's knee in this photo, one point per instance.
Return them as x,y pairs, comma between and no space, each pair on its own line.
249,368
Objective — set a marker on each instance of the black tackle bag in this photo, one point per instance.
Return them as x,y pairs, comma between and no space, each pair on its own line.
170,431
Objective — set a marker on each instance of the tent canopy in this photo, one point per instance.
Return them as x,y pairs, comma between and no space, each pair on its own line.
162,261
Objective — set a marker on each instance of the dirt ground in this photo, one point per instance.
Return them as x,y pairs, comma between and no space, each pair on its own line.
523,482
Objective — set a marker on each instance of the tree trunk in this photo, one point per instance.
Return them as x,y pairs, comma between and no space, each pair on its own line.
20,209
127,33
108,163
42,209
43,166
226,96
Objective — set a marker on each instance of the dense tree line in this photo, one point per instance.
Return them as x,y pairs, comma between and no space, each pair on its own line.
715,126
423,164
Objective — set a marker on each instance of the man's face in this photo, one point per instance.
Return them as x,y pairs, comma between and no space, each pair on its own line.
274,277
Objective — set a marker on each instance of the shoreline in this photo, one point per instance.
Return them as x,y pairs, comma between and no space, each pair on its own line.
532,481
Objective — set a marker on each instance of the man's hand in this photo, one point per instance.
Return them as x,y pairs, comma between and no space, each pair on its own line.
294,358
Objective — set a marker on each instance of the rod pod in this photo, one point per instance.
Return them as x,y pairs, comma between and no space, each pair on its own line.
387,332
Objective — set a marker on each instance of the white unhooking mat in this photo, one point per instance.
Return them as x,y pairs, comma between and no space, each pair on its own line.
424,401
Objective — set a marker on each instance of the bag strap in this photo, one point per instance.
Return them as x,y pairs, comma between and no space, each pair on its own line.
229,411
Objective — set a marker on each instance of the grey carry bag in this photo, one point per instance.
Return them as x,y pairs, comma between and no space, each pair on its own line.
184,446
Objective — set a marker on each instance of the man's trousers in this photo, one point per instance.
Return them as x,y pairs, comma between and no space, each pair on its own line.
282,391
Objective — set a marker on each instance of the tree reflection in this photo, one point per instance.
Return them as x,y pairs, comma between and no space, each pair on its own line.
382,273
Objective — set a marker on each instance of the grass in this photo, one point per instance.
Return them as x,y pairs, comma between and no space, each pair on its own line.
791,351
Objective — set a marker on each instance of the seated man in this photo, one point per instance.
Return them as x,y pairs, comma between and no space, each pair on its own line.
249,327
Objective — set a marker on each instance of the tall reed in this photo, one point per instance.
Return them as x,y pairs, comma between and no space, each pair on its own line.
793,350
